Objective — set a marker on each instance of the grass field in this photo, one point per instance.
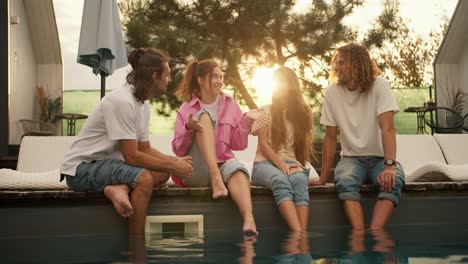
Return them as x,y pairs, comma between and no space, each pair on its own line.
83,102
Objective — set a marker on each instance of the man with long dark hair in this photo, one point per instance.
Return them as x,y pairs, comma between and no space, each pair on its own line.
112,153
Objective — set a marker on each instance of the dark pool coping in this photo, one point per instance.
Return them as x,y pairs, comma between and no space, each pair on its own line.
411,188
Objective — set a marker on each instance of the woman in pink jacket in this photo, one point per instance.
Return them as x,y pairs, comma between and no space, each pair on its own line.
209,126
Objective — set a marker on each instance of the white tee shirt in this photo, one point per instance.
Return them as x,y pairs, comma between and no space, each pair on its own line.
118,116
213,107
355,114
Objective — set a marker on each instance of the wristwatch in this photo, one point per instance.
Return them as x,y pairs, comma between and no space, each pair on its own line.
390,162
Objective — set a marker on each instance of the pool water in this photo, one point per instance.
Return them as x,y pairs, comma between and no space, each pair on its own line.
398,244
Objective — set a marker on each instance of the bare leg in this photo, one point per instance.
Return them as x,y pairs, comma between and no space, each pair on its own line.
291,245
239,187
140,198
382,211
304,247
356,240
159,177
303,214
289,214
353,210
118,194
137,250
384,242
205,139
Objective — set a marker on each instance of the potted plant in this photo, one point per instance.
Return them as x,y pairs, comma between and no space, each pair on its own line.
49,107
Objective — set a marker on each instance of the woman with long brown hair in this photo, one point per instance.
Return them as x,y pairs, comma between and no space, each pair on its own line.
284,147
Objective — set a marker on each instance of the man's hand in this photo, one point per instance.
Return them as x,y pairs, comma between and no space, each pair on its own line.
193,123
387,179
183,166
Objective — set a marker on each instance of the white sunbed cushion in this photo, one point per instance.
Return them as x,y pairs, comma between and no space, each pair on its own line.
41,154
454,147
439,172
415,151
17,180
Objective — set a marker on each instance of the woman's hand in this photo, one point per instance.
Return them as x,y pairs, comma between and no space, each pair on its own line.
317,182
193,124
287,168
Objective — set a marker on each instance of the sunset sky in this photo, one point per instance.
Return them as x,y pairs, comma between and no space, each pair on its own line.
77,76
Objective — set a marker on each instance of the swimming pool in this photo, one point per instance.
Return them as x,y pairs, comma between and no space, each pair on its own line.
429,226
398,244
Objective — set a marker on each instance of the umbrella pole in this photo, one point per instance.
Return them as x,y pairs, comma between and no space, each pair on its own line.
103,84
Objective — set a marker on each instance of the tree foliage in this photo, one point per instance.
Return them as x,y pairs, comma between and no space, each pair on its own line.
408,58
245,34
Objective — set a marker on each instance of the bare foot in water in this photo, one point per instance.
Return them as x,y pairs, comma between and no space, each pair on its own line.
118,194
249,228
290,245
219,190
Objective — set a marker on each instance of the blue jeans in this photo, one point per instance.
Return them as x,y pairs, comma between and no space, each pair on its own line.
96,175
352,172
285,188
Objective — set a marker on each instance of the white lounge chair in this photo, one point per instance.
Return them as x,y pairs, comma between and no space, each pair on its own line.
38,162
423,160
454,147
40,157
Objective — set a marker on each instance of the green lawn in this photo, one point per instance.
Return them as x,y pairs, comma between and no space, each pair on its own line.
83,102
406,97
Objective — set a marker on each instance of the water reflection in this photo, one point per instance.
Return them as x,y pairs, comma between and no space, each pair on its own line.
247,249
175,246
295,249
376,246
408,244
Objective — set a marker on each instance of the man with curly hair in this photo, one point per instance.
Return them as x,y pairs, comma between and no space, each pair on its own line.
360,104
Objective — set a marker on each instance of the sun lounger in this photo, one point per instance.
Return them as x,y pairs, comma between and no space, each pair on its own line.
423,160
454,147
40,157
422,157
38,162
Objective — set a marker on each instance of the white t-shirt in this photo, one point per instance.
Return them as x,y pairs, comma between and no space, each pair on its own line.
355,114
213,107
118,116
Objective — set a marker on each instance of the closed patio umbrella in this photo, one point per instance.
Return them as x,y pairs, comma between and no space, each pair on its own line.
101,44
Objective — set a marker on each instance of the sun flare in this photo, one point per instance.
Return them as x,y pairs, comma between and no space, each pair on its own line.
263,83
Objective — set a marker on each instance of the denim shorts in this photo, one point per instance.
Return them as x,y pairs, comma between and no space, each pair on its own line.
285,188
352,172
95,175
200,175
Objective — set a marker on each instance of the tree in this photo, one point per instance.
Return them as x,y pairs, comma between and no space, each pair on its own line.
245,34
408,58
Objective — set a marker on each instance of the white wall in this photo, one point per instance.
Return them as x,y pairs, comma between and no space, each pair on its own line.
463,69
22,73
447,83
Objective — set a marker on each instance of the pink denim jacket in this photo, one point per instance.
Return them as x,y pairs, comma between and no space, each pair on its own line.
232,130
